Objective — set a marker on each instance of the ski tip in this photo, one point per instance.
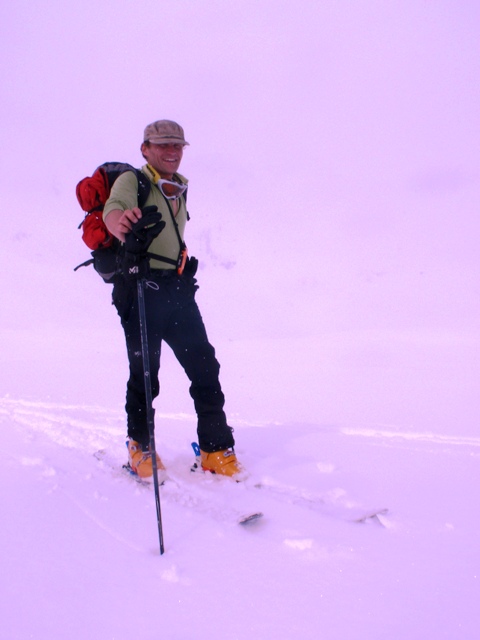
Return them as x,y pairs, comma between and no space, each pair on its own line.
249,519
372,516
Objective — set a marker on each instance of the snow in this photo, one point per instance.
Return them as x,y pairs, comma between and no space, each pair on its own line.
81,551
334,193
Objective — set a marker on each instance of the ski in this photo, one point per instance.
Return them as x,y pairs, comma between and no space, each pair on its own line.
298,497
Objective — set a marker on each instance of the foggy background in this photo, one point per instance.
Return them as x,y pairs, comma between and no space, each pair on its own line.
334,190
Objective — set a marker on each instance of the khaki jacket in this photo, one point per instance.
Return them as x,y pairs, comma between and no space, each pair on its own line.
123,196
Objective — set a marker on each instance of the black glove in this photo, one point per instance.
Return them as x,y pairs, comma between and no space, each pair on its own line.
137,242
191,267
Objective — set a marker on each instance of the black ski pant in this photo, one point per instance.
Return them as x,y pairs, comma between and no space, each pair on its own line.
172,315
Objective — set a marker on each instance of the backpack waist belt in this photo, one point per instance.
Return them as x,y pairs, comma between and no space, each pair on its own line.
162,273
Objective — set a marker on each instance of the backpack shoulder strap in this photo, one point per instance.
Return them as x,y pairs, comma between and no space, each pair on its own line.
144,185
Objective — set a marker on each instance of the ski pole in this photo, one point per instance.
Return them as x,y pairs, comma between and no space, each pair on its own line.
149,403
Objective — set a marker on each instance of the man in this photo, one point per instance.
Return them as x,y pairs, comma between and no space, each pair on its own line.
172,314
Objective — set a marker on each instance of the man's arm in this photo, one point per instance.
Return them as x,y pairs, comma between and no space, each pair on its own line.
119,222
121,211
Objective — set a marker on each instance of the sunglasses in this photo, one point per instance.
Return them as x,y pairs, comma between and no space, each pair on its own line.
171,190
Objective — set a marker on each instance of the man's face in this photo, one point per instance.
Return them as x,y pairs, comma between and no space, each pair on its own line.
164,158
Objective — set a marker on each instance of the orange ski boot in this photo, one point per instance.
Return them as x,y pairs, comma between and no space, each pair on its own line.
223,463
140,461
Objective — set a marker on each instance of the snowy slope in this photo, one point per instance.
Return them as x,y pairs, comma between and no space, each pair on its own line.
80,547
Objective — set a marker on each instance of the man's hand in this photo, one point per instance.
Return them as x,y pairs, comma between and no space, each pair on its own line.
137,242
120,223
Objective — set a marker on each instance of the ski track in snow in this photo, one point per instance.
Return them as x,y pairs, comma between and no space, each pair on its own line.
433,438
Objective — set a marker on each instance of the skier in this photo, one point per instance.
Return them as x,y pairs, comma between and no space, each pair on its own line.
172,314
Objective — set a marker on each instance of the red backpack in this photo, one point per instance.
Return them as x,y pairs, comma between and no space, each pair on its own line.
92,194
